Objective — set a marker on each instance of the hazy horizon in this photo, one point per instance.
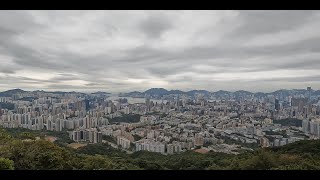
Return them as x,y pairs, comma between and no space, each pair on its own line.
93,91
124,51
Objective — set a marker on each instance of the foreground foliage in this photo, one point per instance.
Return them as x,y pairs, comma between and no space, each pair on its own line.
22,151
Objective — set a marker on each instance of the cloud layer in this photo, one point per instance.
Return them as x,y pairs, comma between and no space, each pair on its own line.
121,51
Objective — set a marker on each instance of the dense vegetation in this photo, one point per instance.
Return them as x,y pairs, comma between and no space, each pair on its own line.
109,139
6,164
129,118
21,133
136,137
17,153
102,149
281,133
289,122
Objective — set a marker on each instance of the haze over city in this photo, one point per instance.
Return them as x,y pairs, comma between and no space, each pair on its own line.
123,51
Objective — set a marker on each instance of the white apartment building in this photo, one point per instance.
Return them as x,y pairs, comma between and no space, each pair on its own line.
151,146
314,128
90,135
125,143
306,126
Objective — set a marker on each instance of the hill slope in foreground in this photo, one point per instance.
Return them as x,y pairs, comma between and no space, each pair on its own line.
17,153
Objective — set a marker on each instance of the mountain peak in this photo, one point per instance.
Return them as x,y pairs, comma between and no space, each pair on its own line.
156,91
15,91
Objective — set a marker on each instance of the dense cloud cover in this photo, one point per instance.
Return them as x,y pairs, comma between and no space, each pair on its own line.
135,50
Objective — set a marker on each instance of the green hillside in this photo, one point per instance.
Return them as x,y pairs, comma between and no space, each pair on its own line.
17,153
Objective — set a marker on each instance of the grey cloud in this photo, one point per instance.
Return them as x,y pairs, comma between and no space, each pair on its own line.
163,72
17,22
149,59
65,77
6,34
101,85
155,25
95,84
18,81
261,22
7,71
295,79
64,87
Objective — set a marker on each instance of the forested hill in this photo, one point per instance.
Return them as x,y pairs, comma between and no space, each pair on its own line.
18,153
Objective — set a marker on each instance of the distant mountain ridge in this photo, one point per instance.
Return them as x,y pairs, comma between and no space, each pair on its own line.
99,92
159,92
156,91
14,91
10,92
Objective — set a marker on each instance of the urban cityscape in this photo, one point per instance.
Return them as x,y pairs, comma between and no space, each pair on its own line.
159,90
169,122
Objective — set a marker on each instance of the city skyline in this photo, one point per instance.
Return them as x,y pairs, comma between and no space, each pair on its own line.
124,51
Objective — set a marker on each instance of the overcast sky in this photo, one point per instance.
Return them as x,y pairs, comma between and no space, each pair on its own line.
122,51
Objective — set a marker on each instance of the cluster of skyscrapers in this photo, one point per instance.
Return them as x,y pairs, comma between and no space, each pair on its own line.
174,123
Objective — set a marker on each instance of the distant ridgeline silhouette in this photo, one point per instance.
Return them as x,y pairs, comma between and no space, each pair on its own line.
159,92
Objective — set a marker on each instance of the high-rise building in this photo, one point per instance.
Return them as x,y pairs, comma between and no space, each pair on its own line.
40,121
309,93
148,103
276,104
95,137
152,146
91,136
178,100
87,121
58,125
198,140
314,128
290,100
123,142
177,147
299,102
86,104
170,149
306,126
99,137
126,110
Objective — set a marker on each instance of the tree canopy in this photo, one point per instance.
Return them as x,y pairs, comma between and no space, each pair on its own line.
39,154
